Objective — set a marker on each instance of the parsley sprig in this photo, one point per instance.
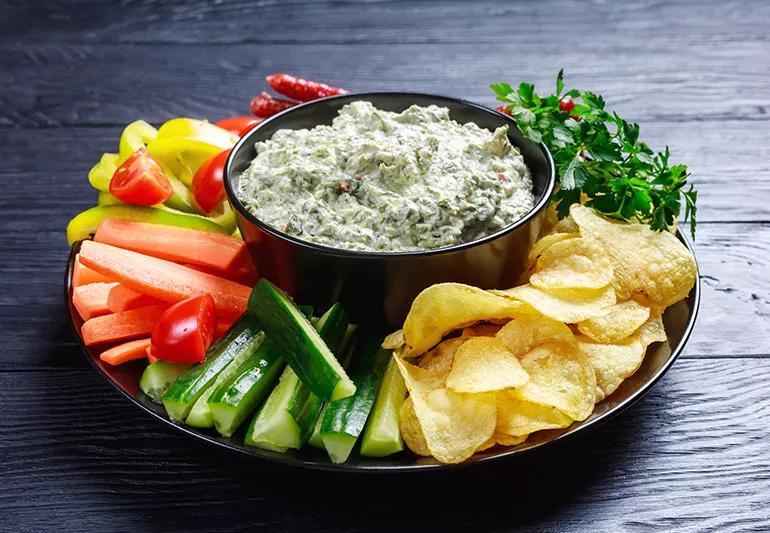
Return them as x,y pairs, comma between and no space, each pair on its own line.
600,158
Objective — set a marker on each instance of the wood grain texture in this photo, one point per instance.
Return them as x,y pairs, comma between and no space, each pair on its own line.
348,22
708,446
100,84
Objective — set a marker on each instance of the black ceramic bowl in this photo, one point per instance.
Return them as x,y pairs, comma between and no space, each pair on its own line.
377,286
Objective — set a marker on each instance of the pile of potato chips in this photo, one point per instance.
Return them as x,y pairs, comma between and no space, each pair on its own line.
491,367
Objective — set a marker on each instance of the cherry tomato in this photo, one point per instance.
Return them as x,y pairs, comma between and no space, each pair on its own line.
566,105
185,330
208,182
239,126
140,180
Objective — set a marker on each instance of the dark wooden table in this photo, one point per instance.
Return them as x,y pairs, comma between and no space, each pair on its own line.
694,455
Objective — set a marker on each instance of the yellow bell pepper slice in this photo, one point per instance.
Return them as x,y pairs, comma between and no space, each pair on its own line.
197,129
135,136
182,156
101,173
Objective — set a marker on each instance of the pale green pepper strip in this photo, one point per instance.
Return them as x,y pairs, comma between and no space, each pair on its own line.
87,222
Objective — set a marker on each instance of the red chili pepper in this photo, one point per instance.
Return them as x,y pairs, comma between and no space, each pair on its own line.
566,105
301,89
504,109
265,105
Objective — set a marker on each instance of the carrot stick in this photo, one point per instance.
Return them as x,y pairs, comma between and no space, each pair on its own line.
91,300
163,279
121,326
181,245
121,298
128,351
82,275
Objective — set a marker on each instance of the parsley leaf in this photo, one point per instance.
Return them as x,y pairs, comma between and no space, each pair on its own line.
599,157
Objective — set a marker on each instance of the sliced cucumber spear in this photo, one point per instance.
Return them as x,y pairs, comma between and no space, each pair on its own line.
158,376
382,435
289,414
235,398
244,337
344,418
304,349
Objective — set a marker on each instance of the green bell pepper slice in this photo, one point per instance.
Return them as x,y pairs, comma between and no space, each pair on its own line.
101,173
86,223
136,135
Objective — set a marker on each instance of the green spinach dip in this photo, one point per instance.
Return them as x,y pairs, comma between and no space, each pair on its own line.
379,181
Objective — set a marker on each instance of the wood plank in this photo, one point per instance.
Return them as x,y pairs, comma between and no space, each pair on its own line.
438,21
693,455
733,258
648,80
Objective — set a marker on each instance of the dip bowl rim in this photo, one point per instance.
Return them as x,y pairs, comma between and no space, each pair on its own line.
246,140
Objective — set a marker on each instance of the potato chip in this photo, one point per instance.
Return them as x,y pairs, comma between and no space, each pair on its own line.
454,425
612,363
518,418
439,358
568,306
525,331
542,245
484,364
572,264
490,442
509,440
653,267
411,430
445,307
560,376
482,330
394,341
622,320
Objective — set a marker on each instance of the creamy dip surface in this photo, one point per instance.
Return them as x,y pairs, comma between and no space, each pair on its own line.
379,181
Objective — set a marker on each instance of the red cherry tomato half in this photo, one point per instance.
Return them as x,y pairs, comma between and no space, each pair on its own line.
208,185
140,180
239,126
185,330
566,105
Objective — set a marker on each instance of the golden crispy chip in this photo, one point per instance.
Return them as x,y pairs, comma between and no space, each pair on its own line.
482,330
394,341
612,363
524,332
542,245
622,320
411,430
509,440
445,307
490,442
484,364
652,267
454,425
552,223
566,225
568,306
572,264
439,358
517,417
560,376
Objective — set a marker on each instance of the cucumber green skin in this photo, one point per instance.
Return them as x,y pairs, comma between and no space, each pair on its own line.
245,335
300,407
157,377
347,416
305,351
382,434
234,399
315,440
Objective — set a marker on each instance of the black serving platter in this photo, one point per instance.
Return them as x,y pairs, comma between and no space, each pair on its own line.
678,319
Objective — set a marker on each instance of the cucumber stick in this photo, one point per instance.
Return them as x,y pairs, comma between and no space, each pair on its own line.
304,349
382,435
344,419
200,415
289,414
245,336
158,376
235,398
315,438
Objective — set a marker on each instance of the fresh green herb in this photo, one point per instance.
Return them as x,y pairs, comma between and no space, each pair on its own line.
599,157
